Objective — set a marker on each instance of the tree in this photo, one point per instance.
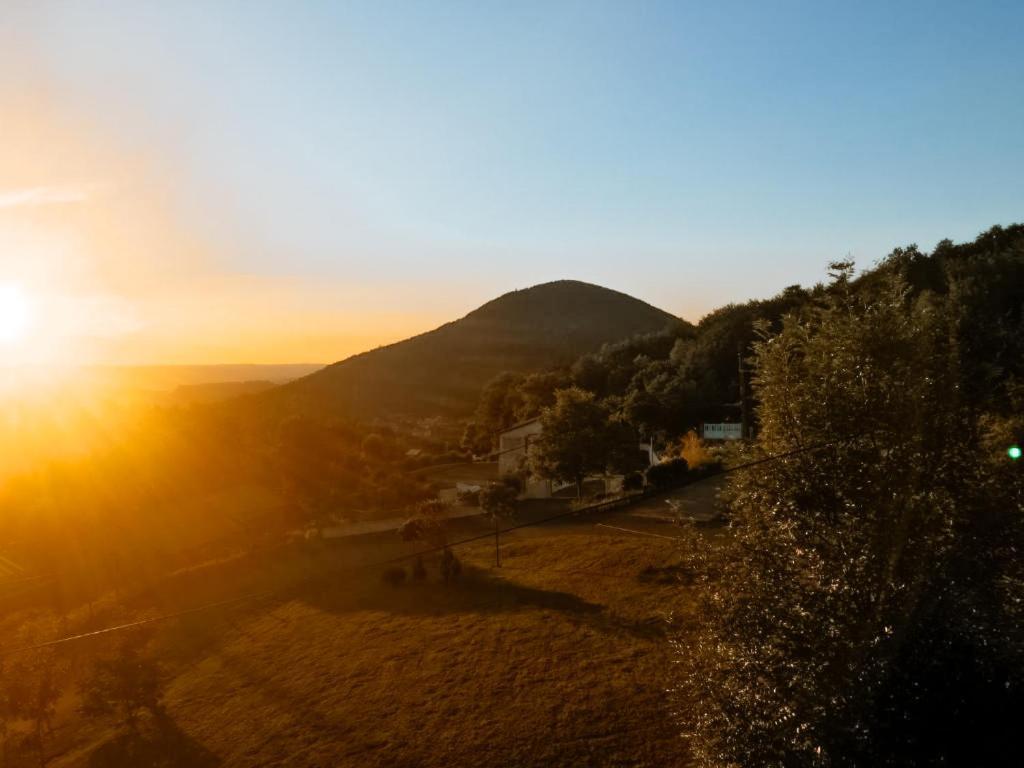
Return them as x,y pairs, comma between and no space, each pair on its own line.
8,710
122,686
496,410
427,524
577,438
31,683
498,501
866,609
304,457
667,473
476,441
33,695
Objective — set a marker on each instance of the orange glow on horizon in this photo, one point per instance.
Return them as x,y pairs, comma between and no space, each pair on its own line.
107,271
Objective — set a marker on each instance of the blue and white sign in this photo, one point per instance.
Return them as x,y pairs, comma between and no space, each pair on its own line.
723,431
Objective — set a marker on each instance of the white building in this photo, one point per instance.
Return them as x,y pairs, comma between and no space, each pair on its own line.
514,446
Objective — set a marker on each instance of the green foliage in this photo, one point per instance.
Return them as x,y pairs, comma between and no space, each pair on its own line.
122,687
426,523
633,481
507,399
668,473
579,438
866,610
477,440
666,382
380,448
324,469
499,499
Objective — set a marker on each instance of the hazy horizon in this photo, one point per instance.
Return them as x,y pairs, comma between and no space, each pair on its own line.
272,184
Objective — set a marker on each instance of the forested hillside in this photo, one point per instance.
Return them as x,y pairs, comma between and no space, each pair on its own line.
442,371
665,383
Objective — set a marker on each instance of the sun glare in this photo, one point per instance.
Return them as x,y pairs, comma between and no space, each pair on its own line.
15,313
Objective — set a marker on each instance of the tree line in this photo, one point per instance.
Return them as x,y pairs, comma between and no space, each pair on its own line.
866,607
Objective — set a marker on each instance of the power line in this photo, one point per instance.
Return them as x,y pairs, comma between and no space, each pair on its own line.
603,506
639,533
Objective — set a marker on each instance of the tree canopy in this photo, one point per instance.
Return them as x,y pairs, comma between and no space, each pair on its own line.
866,610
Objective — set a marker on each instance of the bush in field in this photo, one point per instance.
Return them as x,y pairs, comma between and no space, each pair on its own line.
866,609
667,473
427,524
122,687
451,566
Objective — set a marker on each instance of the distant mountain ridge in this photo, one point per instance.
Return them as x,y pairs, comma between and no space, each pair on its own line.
442,371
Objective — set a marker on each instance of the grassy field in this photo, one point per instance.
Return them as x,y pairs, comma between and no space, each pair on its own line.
557,658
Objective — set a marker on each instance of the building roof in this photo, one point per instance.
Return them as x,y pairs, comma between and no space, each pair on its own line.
518,425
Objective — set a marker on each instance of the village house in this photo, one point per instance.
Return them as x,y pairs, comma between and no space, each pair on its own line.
514,446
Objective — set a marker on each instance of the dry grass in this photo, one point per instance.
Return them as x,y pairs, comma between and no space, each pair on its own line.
558,658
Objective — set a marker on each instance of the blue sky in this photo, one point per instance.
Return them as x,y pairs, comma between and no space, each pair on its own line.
687,153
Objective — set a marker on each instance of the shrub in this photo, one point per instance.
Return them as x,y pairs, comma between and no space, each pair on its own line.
668,473
451,566
866,609
634,481
469,498
499,499
394,576
122,686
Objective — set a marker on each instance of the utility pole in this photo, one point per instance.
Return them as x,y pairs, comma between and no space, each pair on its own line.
744,417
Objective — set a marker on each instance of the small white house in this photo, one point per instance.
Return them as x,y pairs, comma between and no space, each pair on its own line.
514,446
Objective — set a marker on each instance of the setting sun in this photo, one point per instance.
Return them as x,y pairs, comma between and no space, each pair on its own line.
15,313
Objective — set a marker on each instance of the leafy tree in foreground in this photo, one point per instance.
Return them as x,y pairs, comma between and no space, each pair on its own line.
866,609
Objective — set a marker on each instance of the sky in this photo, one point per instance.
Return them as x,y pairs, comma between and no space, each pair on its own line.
217,182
